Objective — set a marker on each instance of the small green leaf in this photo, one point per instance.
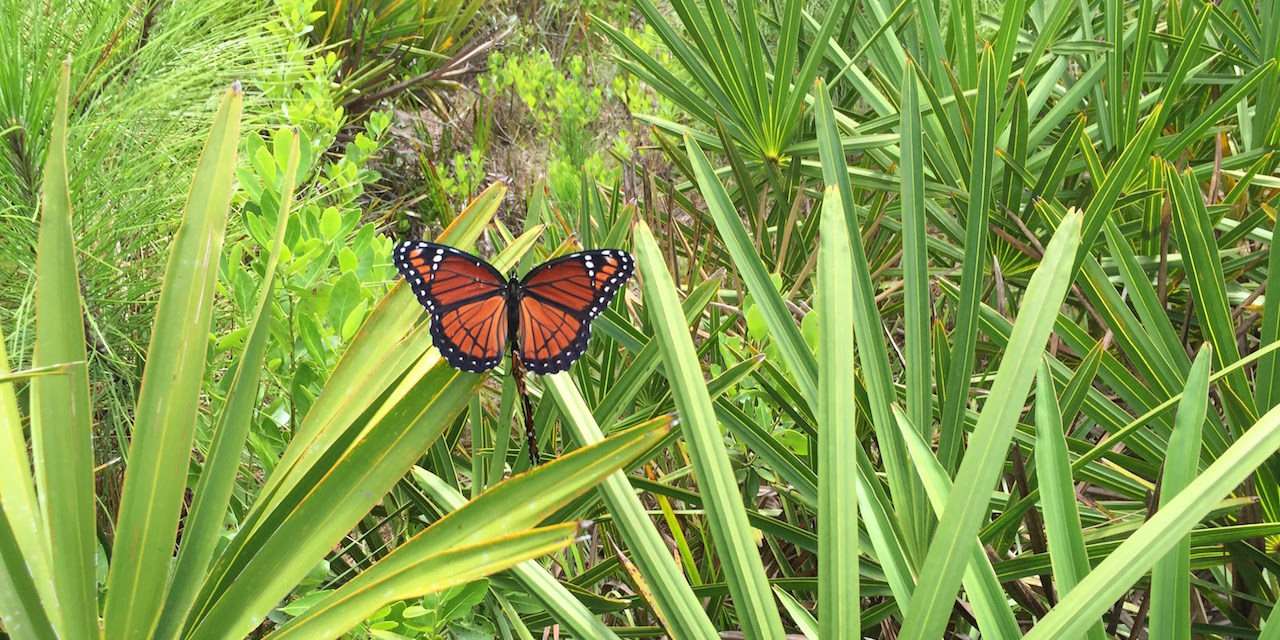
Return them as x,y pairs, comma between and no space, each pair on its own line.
347,260
300,605
330,223
354,320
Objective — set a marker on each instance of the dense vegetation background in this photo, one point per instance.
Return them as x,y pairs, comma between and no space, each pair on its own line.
951,319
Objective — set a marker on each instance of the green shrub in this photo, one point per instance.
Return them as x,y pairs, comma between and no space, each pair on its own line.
145,74
563,106
328,479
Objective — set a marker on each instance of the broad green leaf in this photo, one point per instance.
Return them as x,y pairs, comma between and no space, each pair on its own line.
205,517
1062,527
744,571
837,429
1161,533
61,429
983,462
1171,575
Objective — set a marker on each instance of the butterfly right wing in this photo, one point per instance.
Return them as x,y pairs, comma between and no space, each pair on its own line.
467,299
558,301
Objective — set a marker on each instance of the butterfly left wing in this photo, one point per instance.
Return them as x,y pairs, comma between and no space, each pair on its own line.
560,298
467,299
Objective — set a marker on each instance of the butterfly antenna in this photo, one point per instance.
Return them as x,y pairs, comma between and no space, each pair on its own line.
530,434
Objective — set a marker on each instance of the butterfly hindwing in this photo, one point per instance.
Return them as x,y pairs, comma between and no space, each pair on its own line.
558,301
551,338
472,336
467,299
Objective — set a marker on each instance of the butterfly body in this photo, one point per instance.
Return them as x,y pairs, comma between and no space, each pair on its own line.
544,318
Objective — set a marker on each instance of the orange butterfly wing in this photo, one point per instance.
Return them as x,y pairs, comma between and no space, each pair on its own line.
467,299
558,301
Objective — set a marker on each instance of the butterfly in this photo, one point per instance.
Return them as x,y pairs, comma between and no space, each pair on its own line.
543,318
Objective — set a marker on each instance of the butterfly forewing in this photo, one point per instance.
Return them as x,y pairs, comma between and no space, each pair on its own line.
560,298
467,299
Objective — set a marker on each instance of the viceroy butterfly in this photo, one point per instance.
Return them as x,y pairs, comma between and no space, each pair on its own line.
545,317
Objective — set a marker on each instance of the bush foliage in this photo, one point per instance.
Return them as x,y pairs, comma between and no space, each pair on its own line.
951,319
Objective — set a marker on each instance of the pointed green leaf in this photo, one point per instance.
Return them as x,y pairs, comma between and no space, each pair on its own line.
448,568
679,609
61,430
984,459
990,605
1160,534
1063,532
205,518
155,478
512,506
744,571
1171,576
972,276
837,429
